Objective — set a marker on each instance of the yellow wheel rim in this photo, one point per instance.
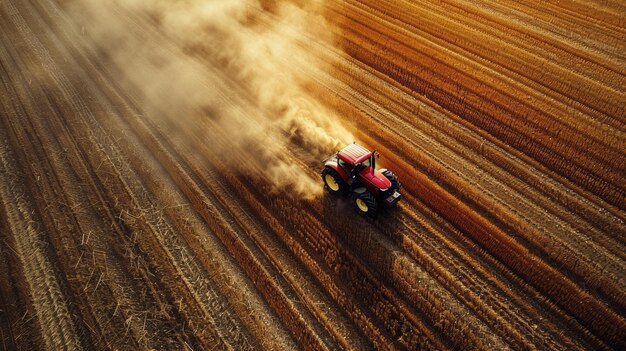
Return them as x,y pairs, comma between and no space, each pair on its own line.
362,205
332,184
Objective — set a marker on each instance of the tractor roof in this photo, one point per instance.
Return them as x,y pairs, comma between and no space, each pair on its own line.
354,154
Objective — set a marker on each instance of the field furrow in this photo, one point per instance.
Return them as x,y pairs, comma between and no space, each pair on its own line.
160,178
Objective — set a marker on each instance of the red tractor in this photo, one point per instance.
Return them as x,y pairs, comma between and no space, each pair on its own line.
353,171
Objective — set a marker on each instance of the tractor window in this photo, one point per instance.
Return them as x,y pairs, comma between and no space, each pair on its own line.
367,163
342,163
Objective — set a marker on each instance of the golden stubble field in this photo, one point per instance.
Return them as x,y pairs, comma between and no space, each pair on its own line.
160,187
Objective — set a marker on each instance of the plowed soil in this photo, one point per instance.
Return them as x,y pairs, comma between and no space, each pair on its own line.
160,187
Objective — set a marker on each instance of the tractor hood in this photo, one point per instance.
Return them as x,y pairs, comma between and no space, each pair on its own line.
376,178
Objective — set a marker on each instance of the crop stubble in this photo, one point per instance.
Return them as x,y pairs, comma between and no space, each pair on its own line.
507,134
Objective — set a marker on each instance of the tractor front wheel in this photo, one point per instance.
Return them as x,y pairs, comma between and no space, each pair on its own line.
366,204
395,184
333,181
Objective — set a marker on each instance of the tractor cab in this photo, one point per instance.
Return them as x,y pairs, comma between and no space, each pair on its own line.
354,158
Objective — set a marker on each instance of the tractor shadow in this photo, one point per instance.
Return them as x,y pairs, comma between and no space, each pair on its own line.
377,241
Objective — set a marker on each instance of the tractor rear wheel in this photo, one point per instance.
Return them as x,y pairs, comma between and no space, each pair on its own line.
333,181
366,204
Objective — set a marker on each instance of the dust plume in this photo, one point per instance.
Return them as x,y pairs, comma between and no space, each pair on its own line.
225,69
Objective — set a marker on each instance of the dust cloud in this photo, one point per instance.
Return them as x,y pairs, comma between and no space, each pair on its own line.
231,73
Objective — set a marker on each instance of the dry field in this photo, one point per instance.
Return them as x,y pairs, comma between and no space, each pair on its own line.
160,188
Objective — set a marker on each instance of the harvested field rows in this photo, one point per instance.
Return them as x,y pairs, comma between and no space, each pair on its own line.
160,188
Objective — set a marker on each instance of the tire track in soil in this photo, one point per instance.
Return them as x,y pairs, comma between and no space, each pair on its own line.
15,301
37,271
52,313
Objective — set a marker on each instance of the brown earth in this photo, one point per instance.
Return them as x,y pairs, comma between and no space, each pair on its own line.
160,189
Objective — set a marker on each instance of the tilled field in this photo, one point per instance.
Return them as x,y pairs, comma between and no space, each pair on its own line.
160,188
